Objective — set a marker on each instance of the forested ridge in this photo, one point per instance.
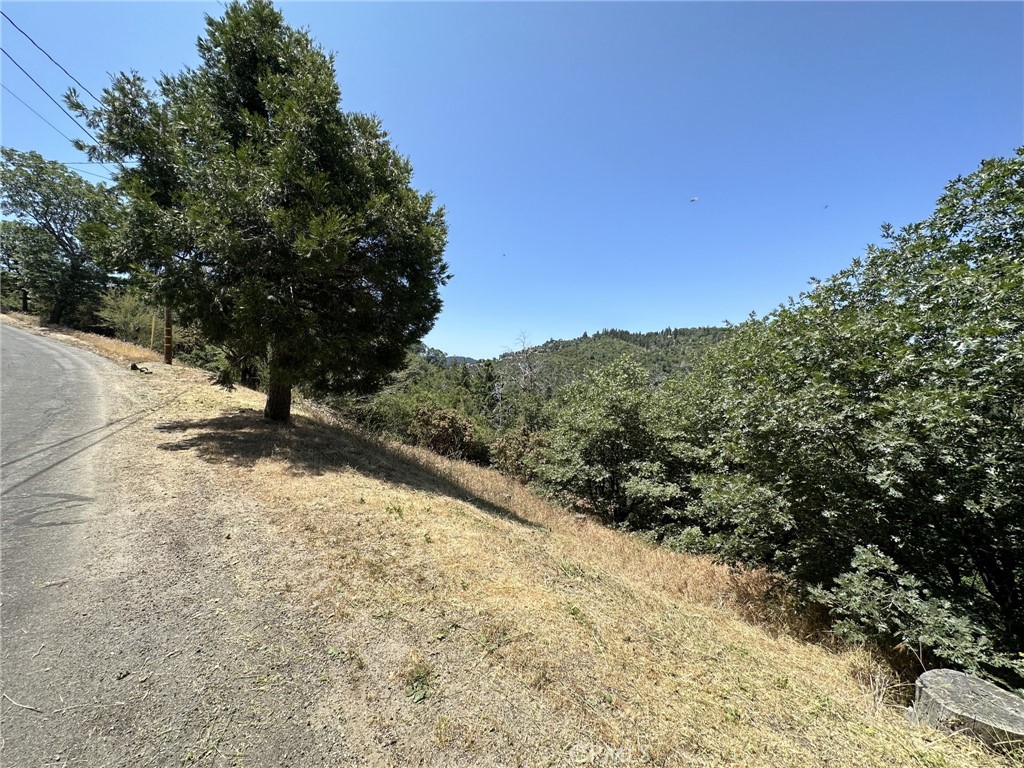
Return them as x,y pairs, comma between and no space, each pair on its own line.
863,442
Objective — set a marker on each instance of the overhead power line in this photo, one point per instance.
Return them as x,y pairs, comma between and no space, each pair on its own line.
80,162
90,173
70,116
37,45
58,130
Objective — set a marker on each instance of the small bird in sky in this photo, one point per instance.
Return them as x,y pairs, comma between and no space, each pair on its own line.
694,199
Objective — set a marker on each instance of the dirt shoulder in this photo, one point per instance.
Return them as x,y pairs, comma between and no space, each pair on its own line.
259,595
163,645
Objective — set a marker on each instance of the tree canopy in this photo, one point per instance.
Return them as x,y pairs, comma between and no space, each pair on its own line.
865,441
285,227
51,247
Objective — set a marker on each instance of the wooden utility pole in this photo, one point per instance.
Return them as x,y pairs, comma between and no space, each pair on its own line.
167,335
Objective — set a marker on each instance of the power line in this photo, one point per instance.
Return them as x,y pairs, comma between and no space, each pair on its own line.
37,45
90,173
58,130
85,162
70,116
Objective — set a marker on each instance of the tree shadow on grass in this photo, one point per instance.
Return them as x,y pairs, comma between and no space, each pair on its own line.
315,447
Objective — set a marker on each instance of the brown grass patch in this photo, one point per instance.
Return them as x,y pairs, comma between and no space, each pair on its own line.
545,634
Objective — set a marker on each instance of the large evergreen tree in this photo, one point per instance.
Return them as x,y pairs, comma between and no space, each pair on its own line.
286,227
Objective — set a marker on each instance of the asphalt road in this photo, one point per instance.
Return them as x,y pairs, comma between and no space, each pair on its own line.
52,420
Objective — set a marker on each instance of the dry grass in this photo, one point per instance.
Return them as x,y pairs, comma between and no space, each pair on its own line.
478,624
104,345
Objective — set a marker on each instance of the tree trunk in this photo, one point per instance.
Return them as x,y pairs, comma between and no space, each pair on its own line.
57,312
168,336
24,301
279,402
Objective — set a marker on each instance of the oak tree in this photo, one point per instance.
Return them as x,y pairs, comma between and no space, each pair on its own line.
51,246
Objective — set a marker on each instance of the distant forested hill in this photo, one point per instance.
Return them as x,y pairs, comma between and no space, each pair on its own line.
458,405
558,362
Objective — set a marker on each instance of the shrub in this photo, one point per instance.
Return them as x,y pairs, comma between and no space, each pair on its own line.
514,453
875,600
868,439
448,433
127,312
606,450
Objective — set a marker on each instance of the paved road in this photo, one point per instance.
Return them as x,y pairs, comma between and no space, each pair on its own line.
52,419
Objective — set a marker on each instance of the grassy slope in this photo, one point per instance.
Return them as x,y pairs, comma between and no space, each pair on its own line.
475,624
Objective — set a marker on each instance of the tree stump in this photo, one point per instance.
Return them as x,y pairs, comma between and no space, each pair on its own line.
954,701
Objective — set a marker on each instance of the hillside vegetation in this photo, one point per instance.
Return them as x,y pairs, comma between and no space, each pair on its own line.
469,622
475,409
861,446
864,442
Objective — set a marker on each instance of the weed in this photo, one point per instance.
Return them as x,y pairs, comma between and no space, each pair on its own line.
494,637
419,677
444,731
572,570
577,613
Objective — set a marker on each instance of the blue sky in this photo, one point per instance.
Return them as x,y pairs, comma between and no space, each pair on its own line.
566,140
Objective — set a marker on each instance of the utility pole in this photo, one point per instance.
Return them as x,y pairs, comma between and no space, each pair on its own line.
167,334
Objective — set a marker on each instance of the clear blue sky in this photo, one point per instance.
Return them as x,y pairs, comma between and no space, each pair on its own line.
566,140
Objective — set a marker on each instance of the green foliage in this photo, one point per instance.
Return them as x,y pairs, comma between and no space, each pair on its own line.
875,599
424,383
127,312
515,452
507,399
605,448
192,348
54,246
883,410
448,433
287,229
547,368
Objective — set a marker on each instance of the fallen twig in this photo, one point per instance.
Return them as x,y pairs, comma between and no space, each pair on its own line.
23,706
39,651
60,583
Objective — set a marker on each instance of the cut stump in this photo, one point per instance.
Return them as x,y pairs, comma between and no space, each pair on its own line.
955,701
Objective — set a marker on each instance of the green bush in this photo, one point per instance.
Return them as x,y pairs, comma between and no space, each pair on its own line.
876,600
448,433
605,450
514,453
129,315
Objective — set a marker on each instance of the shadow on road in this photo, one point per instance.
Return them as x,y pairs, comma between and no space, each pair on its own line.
311,446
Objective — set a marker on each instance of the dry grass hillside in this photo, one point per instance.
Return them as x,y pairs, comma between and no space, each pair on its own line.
468,622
